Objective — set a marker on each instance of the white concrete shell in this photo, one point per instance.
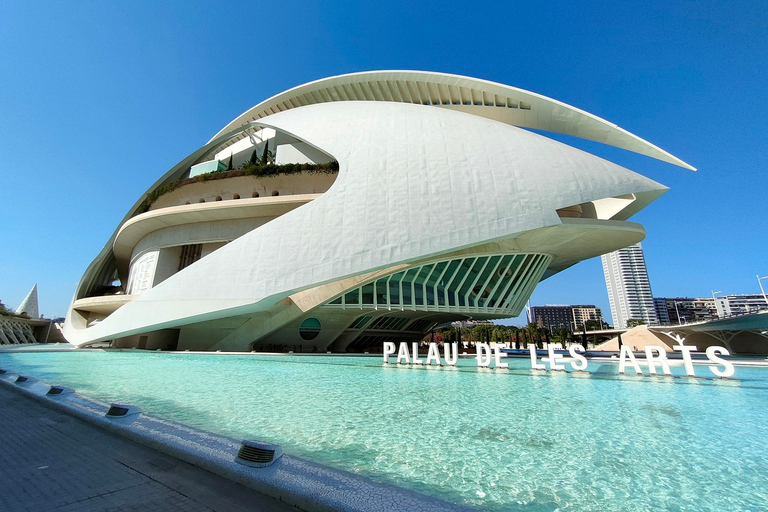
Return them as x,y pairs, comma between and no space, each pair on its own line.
416,184
509,105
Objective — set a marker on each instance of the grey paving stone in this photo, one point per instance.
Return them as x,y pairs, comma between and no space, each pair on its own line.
52,461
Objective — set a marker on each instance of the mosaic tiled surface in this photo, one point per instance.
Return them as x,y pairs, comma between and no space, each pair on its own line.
292,480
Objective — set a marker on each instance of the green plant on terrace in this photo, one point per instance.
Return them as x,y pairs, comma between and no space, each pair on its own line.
248,168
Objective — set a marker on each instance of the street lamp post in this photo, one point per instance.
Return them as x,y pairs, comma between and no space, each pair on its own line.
760,282
715,300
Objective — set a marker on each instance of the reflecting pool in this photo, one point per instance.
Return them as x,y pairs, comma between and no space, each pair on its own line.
494,439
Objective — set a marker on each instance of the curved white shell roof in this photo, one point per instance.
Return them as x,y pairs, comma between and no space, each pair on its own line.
496,101
413,182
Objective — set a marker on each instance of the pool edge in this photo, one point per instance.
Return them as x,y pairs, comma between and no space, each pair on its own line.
292,480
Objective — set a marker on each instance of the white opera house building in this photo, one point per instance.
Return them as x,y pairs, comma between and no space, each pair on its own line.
359,209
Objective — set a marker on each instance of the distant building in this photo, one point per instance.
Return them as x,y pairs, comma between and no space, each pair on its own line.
18,330
565,316
552,316
30,306
731,305
470,324
684,310
26,325
660,304
582,314
629,290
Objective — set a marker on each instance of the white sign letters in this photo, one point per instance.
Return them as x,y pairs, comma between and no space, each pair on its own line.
656,358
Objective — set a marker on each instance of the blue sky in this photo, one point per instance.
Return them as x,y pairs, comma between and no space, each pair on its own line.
98,99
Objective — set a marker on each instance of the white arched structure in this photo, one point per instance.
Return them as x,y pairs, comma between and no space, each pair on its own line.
510,105
436,214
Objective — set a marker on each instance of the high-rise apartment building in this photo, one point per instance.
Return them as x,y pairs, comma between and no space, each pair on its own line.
684,310
583,314
568,317
662,311
731,305
629,290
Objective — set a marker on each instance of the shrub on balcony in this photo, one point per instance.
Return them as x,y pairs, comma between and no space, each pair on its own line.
249,168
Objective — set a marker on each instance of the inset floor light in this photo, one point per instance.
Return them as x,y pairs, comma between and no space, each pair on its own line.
258,454
121,411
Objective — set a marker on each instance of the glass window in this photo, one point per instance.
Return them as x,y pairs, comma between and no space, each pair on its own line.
368,294
504,275
309,329
523,268
400,323
408,286
445,283
381,292
352,297
485,283
423,274
360,322
394,288
472,282
467,273
432,281
419,285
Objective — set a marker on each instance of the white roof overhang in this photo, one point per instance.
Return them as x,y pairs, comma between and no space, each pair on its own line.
483,98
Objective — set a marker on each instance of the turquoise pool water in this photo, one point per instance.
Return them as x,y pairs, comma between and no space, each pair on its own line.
497,440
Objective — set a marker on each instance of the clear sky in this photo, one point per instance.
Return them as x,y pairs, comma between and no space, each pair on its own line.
99,99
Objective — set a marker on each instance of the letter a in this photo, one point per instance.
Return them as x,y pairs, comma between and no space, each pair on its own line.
402,353
627,354
433,354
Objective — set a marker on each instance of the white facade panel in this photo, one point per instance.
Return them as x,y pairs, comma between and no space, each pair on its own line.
142,274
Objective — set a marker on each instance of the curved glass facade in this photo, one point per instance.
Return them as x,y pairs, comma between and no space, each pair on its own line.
492,284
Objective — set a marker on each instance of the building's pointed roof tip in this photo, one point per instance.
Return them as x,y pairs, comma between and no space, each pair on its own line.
30,305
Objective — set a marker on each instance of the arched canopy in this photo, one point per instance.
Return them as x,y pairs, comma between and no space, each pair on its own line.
496,101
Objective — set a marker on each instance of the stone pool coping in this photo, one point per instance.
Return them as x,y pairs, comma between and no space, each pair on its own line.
292,480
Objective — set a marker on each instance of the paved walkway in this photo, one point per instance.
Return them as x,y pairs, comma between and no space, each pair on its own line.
53,461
